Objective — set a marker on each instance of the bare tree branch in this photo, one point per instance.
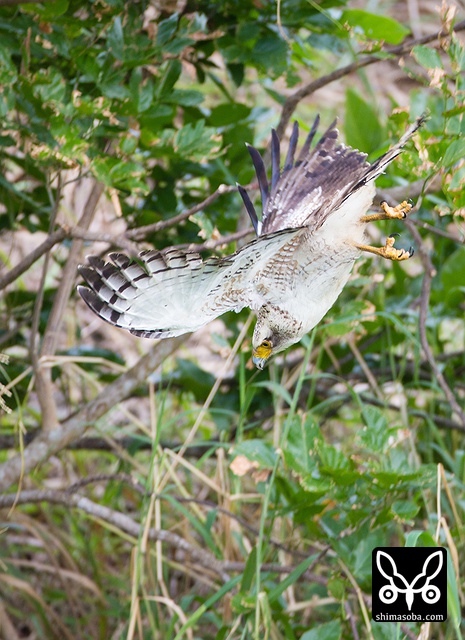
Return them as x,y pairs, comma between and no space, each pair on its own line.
293,100
49,443
69,275
17,271
115,518
439,232
43,380
97,236
217,242
133,528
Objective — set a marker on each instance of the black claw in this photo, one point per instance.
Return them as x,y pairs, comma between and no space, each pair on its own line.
393,235
410,201
382,202
411,251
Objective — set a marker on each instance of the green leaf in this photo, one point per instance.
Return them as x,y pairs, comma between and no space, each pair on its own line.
236,72
229,586
271,52
257,451
375,26
145,97
50,86
427,57
362,128
316,485
166,29
190,376
337,588
454,153
225,114
170,77
300,440
291,579
453,600
326,631
185,97
420,539
276,389
195,140
8,72
376,434
333,460
405,509
452,277
249,570
347,320
51,10
115,39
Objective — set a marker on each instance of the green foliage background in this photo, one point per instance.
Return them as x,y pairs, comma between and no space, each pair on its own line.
209,500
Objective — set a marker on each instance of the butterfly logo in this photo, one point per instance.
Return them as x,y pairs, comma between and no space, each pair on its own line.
398,584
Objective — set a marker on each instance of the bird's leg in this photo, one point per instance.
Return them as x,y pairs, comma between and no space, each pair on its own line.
389,213
388,251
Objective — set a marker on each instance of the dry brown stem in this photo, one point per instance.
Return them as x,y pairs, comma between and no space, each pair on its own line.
47,444
115,518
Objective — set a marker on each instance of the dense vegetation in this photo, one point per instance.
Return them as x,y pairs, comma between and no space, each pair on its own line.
170,490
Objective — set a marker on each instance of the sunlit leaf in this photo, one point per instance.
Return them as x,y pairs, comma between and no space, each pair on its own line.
375,26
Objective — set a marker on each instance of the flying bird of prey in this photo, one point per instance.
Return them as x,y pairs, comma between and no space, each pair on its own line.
311,231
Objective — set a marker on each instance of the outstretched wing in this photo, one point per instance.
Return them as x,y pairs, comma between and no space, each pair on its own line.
171,292
311,188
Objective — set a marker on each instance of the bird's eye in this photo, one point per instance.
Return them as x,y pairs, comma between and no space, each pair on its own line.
266,343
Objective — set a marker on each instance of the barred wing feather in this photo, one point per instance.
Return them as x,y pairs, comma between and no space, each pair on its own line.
172,292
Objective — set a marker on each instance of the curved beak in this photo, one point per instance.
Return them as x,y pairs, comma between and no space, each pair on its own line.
259,362
260,356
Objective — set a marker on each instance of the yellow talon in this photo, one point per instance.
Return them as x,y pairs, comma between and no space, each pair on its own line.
388,251
389,213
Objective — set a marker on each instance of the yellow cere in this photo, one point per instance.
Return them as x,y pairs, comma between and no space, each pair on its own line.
263,351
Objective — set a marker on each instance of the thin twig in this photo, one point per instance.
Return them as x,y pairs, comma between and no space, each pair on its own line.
63,293
141,232
43,380
351,618
292,101
217,242
115,518
430,272
133,528
203,411
208,504
438,232
18,270
97,236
